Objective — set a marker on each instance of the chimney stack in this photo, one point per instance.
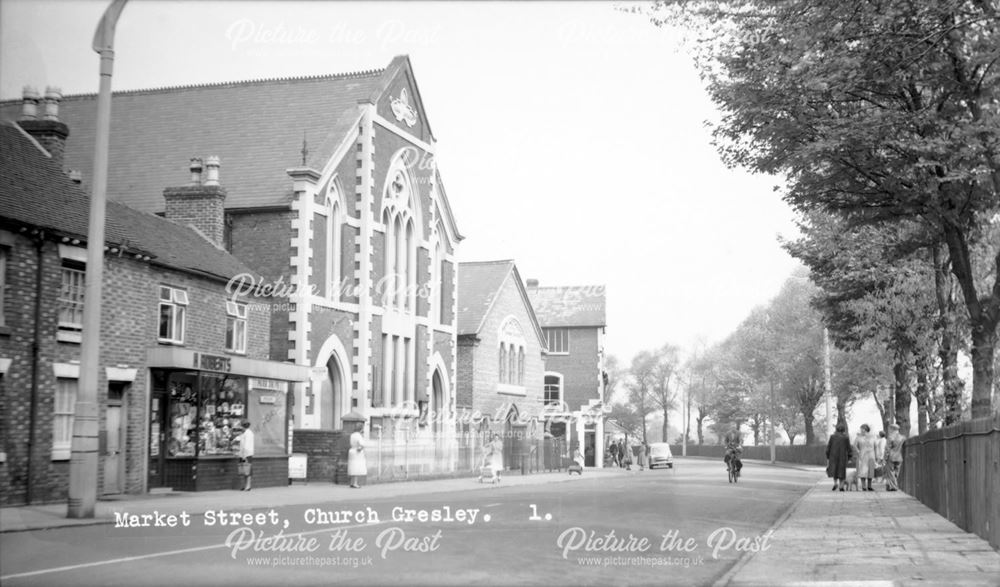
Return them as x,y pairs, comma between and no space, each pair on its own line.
195,168
212,170
47,130
531,283
200,204
29,107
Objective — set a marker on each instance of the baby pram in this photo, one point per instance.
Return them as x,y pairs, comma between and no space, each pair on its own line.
488,470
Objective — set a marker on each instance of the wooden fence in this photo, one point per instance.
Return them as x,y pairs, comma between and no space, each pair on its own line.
955,471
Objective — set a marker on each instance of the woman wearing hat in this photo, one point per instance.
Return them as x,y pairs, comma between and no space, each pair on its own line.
894,456
864,447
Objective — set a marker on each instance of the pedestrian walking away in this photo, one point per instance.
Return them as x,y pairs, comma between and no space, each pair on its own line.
881,445
893,457
864,447
246,456
838,452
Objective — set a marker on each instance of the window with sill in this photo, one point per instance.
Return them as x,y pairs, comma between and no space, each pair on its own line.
553,389
236,327
71,296
511,355
400,219
557,340
172,311
63,410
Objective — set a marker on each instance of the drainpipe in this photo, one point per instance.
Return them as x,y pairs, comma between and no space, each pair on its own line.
36,348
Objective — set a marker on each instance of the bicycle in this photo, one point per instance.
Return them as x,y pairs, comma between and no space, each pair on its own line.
733,468
734,465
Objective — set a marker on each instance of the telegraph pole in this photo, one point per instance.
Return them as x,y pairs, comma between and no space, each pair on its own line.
83,462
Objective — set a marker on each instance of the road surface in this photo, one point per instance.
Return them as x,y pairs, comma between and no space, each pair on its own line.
682,527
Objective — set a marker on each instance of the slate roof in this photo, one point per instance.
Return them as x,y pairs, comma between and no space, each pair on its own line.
34,191
256,128
478,286
560,307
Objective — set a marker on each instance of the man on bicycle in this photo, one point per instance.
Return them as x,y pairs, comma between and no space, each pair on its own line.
734,448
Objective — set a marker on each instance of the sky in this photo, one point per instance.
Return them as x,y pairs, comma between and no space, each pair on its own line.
571,136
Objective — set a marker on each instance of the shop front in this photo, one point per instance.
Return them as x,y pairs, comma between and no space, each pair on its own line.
200,405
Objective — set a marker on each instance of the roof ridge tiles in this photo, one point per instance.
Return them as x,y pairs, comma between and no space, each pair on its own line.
367,73
497,262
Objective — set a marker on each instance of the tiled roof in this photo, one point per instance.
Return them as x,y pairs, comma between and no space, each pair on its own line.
34,191
478,285
569,306
256,128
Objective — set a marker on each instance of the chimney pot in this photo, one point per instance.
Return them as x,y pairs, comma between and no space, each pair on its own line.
29,107
53,96
196,167
212,170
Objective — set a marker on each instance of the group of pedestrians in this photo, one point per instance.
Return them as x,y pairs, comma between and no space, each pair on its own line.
870,453
624,455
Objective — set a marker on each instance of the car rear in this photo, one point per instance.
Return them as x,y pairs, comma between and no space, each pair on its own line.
660,455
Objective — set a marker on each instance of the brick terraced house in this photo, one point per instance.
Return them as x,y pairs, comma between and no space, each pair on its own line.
501,361
335,205
573,321
182,362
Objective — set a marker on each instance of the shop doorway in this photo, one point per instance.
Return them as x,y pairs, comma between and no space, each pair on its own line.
589,447
157,438
114,438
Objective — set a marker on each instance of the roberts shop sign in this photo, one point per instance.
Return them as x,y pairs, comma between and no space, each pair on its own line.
268,385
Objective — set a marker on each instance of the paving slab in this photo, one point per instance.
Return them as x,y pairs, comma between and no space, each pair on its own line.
866,539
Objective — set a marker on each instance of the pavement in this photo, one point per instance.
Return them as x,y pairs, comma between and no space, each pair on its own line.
41,517
866,539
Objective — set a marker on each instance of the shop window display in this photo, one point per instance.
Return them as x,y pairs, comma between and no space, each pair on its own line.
182,415
223,401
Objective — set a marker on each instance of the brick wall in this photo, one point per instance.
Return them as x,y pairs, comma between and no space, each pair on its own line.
262,240
201,206
581,379
466,372
326,450
478,365
129,326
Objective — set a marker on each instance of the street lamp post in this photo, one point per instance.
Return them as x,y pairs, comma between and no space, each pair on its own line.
83,462
826,378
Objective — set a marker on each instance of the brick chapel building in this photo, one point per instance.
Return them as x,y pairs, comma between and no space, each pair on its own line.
174,342
335,205
501,361
573,320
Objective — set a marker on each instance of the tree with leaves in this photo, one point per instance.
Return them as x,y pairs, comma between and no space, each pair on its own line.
664,377
877,111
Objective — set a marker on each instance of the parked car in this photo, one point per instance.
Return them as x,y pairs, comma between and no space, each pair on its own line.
660,455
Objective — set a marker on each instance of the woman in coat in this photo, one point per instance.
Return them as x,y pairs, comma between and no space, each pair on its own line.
496,455
838,452
864,446
357,465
